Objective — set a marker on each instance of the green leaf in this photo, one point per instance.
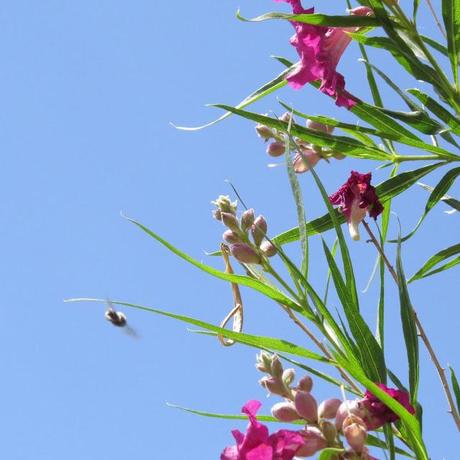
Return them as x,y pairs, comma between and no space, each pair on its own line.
434,106
317,19
451,16
386,190
346,145
435,45
266,89
376,442
240,337
371,355
330,453
455,387
452,202
298,199
257,285
373,132
409,329
435,260
436,195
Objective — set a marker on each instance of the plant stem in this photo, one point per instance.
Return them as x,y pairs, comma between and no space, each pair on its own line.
421,332
436,19
320,345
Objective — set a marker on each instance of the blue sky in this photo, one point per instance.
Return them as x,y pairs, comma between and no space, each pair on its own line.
88,90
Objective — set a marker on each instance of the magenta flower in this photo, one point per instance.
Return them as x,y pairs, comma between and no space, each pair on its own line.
257,444
377,413
320,49
356,198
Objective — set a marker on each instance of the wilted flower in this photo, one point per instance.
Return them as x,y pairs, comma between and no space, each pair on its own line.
356,197
377,413
320,49
257,444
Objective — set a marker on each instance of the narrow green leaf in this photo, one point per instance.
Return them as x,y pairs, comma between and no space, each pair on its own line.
261,418
436,195
390,441
435,107
371,356
346,145
435,45
298,199
435,260
257,285
409,329
455,387
376,442
317,19
451,201
386,190
266,89
246,339
451,16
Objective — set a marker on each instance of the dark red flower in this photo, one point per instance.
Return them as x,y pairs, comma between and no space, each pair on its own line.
356,197
377,413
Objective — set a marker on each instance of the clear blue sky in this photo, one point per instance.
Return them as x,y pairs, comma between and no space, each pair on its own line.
87,91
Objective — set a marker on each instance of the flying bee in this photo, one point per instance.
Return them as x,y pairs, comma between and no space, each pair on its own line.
117,318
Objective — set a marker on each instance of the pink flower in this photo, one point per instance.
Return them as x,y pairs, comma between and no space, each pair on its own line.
257,444
377,413
320,49
356,198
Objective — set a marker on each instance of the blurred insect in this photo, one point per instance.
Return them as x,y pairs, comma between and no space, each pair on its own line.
117,318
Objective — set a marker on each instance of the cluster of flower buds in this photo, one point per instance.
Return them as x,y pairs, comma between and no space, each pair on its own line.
306,155
246,235
326,423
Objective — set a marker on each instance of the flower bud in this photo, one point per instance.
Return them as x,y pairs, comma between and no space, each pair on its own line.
273,386
348,407
288,376
224,204
244,253
365,10
355,431
247,219
285,412
286,117
231,237
264,361
259,230
328,408
314,441
264,132
338,156
230,221
276,149
329,431
217,214
276,367
305,160
306,406
268,248
305,384
317,126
